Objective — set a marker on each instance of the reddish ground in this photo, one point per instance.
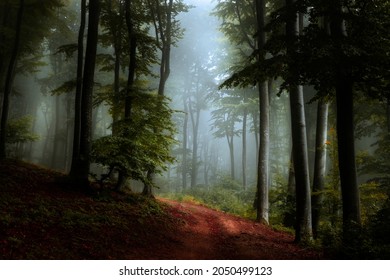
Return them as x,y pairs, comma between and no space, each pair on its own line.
43,217
211,234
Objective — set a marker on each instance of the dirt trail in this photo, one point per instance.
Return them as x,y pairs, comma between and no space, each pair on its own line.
211,234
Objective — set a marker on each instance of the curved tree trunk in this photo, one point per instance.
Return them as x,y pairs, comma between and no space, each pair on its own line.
122,180
165,70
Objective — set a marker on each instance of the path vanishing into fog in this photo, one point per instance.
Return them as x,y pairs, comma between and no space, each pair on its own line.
211,234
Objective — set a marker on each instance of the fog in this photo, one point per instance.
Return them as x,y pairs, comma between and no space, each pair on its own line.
217,128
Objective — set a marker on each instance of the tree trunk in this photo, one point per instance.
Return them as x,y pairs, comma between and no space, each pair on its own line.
301,166
263,163
4,19
388,114
244,121
185,139
166,50
230,140
56,154
346,152
319,164
9,81
303,229
87,92
345,131
123,178
164,67
195,130
79,82
255,116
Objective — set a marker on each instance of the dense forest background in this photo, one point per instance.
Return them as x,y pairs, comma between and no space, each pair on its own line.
278,111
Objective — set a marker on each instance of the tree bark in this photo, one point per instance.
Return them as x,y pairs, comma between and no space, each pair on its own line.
244,152
303,229
166,49
87,92
319,164
9,81
388,114
346,152
122,180
263,163
345,130
195,130
185,140
230,140
164,66
79,82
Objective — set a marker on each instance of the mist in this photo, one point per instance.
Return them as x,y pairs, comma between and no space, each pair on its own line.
170,105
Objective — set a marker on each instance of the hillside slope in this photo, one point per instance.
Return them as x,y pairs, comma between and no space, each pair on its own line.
42,217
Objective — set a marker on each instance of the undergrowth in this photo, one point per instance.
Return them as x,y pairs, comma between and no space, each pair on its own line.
43,219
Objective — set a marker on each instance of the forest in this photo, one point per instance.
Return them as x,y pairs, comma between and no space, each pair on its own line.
274,111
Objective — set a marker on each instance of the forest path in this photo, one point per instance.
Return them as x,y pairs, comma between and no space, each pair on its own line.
212,234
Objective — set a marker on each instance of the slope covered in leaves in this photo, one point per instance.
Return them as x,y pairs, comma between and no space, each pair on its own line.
43,217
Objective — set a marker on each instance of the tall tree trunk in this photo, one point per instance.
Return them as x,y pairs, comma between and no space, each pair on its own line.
263,164
185,140
345,131
388,114
319,164
130,80
244,122
230,140
57,135
255,116
195,130
301,166
164,68
346,151
303,229
87,92
166,50
4,19
79,82
9,81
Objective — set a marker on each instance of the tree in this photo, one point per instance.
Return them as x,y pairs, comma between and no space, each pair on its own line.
224,121
21,36
9,79
263,165
241,23
87,92
167,32
78,94
303,229
345,128
319,164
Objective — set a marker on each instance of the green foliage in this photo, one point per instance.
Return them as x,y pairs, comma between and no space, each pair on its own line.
218,198
37,24
141,143
238,24
225,195
19,131
224,181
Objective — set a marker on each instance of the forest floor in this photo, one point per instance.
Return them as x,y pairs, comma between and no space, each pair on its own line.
43,217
